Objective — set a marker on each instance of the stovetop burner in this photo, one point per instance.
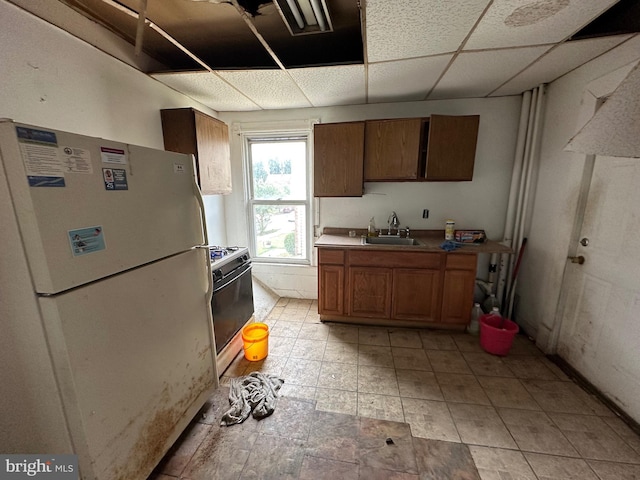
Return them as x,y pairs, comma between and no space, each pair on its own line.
222,255
219,252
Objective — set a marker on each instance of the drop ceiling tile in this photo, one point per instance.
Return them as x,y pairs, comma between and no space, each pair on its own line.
208,89
405,80
602,86
613,130
476,74
271,89
337,85
416,28
557,62
511,23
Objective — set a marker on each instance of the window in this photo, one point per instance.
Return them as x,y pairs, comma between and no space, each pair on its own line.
279,200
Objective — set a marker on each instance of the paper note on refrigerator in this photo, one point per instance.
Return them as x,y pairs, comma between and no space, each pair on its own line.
42,164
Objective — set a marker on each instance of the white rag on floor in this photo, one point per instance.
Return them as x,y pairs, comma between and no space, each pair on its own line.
256,392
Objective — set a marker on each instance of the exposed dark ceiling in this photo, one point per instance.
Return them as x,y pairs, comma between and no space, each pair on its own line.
623,17
240,55
218,34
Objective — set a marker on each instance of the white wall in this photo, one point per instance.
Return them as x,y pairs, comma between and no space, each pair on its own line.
477,204
51,79
556,197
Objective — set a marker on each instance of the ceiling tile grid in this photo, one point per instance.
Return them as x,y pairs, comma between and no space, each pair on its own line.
413,53
208,89
337,85
415,28
405,80
270,89
511,23
476,74
557,62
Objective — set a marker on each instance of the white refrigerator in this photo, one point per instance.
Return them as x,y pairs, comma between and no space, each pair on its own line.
106,346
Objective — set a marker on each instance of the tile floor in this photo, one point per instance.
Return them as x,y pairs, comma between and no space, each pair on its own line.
389,403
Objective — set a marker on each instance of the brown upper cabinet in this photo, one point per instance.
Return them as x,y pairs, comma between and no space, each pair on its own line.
392,149
189,131
450,150
440,148
337,159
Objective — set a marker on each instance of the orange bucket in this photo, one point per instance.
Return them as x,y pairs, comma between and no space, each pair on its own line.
256,341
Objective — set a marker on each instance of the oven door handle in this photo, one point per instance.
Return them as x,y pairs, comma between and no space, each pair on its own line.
219,285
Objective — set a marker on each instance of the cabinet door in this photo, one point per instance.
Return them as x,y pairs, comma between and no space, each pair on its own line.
370,292
186,130
457,296
214,165
331,290
415,294
451,148
392,149
337,159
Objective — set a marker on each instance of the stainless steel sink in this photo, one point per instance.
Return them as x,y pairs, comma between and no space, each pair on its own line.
389,241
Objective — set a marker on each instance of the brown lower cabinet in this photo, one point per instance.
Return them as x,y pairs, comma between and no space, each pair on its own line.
398,286
331,281
415,294
459,281
370,292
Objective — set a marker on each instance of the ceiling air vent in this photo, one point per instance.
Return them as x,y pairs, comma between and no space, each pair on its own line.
303,17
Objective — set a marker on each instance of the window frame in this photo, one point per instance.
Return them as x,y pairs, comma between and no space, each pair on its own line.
257,136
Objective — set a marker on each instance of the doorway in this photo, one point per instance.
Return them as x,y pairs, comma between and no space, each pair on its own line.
598,319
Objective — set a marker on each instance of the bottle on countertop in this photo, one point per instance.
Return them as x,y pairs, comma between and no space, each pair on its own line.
474,326
490,302
371,231
449,230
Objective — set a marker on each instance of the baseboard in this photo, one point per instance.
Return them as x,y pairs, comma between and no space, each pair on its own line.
589,387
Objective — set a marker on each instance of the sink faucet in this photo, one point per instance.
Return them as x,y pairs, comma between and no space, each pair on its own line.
394,223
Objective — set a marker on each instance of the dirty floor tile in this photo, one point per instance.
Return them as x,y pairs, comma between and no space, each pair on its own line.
498,464
548,466
374,403
439,460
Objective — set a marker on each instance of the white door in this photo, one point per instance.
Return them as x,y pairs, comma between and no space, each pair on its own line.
600,329
134,360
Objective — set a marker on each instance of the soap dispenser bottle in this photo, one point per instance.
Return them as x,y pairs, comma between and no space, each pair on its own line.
371,231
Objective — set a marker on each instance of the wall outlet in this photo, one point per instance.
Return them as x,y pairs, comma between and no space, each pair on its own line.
425,213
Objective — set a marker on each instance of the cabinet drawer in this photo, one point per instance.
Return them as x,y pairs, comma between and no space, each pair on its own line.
328,256
379,258
461,261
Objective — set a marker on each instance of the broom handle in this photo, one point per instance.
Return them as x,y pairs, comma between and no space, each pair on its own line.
514,275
